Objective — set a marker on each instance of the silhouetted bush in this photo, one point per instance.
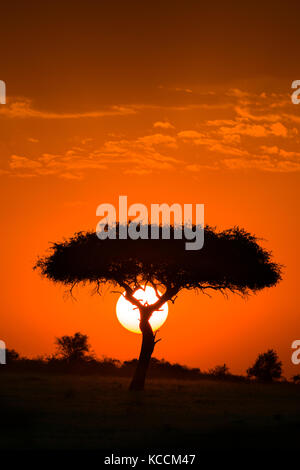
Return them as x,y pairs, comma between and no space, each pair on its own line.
267,367
161,368
73,356
219,371
73,348
11,356
296,379
88,365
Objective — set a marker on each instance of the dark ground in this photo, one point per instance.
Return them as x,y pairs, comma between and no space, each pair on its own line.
47,412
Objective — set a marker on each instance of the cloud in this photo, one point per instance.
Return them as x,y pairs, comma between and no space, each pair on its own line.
18,162
24,175
272,150
64,166
245,113
252,130
255,130
248,132
286,154
221,122
71,176
163,125
180,89
23,108
157,139
146,151
138,171
263,164
185,90
289,155
182,107
232,138
213,143
197,167
279,129
292,117
190,134
237,93
137,156
227,149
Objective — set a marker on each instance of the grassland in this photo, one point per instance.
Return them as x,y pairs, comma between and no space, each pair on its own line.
40,411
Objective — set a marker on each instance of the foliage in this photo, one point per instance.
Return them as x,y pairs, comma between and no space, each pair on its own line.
12,356
267,367
72,348
296,379
219,371
229,260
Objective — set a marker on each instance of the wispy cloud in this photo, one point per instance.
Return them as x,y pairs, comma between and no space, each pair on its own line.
176,88
157,139
137,156
23,108
163,125
263,164
244,131
18,162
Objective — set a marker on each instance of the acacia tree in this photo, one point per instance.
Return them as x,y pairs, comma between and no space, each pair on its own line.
267,367
230,260
72,348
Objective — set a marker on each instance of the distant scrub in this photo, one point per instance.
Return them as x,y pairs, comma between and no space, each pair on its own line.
159,368
74,356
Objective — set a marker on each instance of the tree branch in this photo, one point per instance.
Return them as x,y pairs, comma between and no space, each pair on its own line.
169,293
130,294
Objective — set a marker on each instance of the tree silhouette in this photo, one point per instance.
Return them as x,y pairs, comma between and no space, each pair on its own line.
72,348
266,367
230,260
296,379
219,371
12,356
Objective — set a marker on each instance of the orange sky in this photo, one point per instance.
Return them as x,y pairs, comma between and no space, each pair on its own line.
162,102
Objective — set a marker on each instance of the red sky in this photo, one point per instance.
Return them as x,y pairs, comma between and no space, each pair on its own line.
162,102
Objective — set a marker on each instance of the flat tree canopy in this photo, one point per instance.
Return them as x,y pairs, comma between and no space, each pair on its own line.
229,260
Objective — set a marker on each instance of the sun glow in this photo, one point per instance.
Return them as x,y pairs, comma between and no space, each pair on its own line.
129,315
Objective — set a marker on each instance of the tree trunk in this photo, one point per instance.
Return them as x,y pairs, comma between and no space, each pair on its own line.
148,343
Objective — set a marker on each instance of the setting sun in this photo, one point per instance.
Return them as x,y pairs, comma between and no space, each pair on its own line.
129,315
